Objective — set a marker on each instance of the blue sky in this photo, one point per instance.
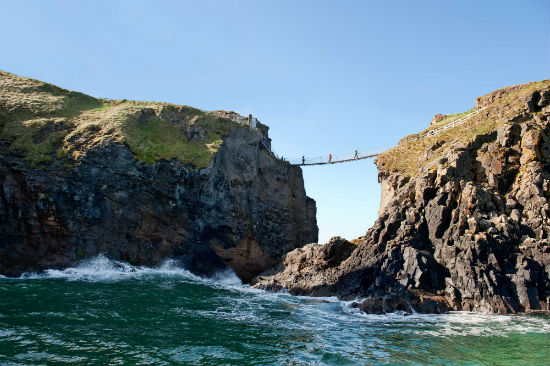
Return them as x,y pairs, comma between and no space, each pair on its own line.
326,76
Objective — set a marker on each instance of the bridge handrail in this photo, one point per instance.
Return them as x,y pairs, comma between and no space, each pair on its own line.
455,123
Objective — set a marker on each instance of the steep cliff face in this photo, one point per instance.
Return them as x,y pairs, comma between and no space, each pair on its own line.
464,221
140,182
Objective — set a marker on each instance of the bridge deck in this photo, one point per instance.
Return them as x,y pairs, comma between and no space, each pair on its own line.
339,161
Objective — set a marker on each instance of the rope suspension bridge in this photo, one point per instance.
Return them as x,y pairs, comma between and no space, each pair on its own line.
355,156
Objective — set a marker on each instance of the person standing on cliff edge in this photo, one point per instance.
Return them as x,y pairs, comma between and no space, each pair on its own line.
303,160
330,158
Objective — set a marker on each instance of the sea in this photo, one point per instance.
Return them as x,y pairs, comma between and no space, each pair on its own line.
105,312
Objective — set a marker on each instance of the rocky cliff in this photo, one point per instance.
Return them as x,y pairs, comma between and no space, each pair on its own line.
464,221
141,182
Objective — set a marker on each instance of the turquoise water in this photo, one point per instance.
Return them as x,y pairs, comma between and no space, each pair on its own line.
110,313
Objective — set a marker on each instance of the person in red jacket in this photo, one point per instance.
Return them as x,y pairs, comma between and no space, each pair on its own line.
329,158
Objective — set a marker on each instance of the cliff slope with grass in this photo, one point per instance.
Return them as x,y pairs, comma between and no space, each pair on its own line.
464,221
141,182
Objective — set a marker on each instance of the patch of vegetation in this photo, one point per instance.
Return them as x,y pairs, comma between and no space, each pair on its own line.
44,121
356,241
37,138
411,155
79,253
450,118
162,139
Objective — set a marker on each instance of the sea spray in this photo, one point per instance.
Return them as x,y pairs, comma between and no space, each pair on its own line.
101,268
105,312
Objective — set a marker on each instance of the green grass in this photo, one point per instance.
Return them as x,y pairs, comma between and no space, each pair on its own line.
161,139
34,139
450,118
412,155
43,121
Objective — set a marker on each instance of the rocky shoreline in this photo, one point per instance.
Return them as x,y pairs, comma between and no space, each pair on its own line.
464,219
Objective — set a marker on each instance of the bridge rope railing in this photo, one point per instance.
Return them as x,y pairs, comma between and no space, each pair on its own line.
360,155
322,160
336,158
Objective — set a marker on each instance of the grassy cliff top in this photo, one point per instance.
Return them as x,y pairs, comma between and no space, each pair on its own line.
44,121
410,155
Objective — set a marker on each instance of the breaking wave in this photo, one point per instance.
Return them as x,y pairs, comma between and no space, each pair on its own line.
311,309
110,310
103,269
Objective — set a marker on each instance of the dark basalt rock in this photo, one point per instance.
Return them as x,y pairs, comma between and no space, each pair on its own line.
244,211
407,303
471,231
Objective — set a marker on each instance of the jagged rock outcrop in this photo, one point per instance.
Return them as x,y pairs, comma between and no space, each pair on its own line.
244,210
464,222
305,271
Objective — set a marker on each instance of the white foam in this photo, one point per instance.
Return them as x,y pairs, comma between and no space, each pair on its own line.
225,278
101,268
457,323
441,325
